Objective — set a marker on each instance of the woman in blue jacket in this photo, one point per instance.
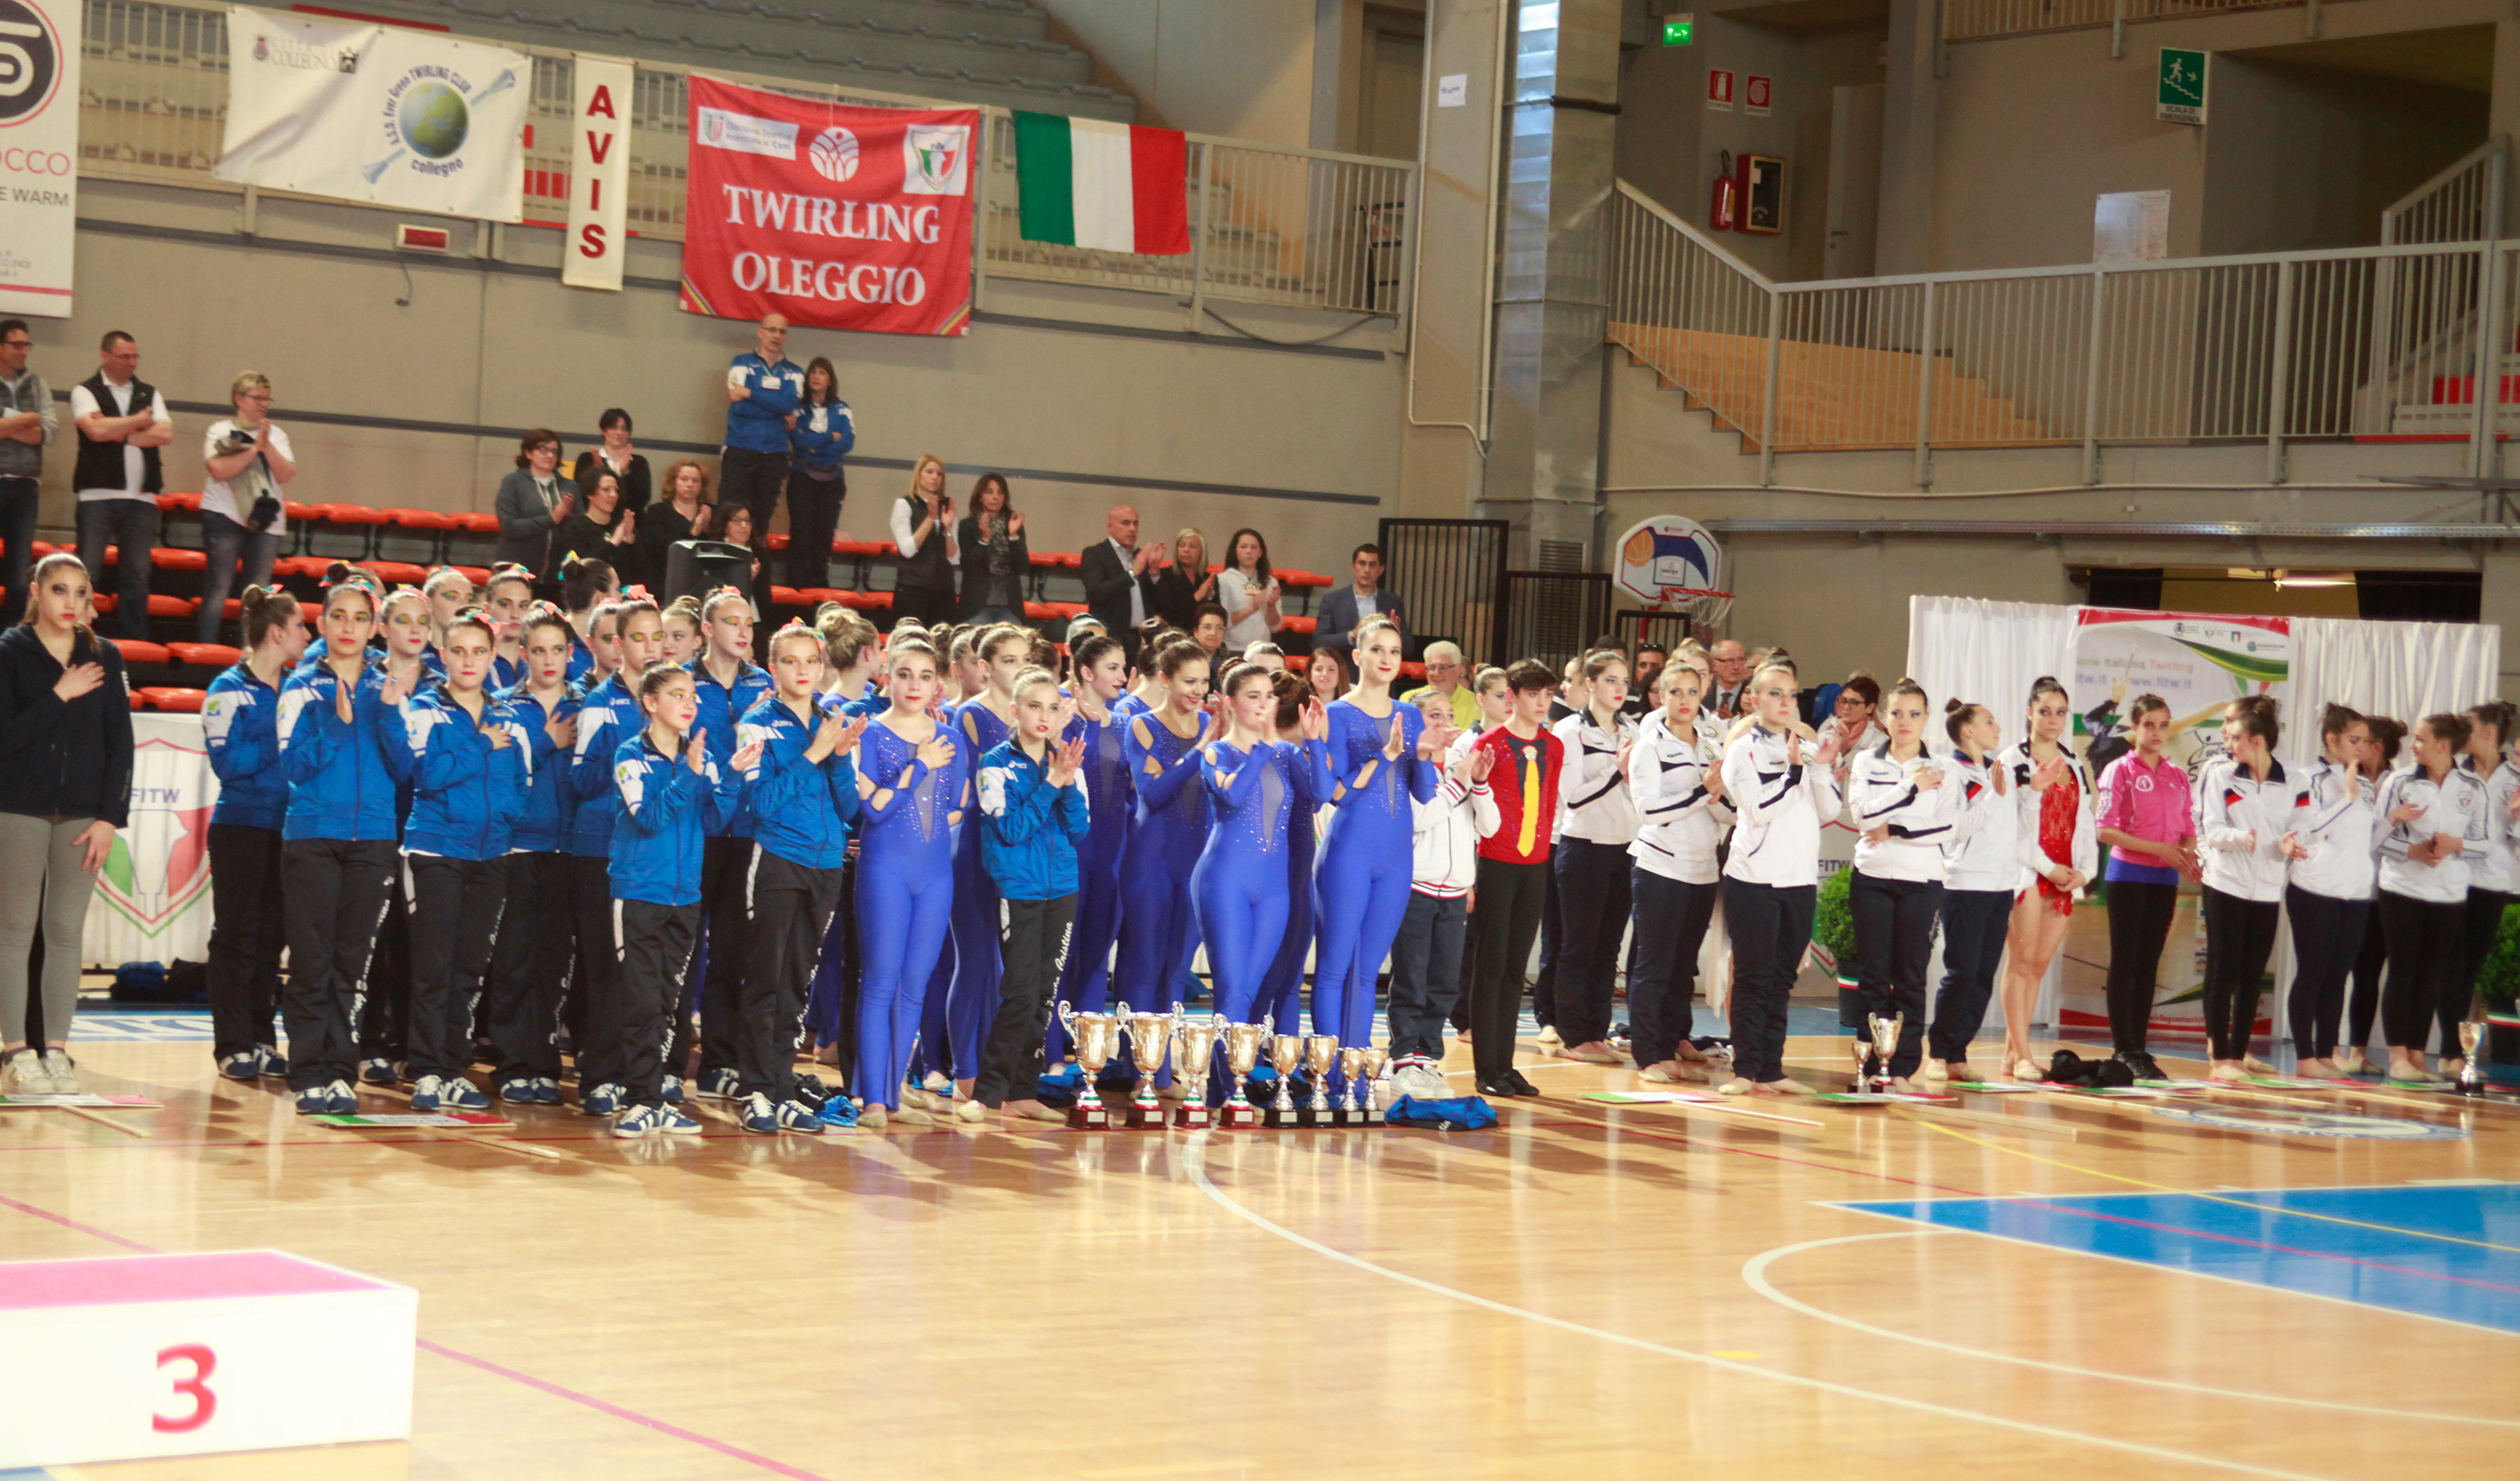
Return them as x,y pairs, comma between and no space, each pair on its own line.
239,723
823,434
673,795
607,716
530,960
469,784
802,794
914,790
339,720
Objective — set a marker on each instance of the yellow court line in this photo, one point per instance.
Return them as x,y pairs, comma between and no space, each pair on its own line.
2163,1188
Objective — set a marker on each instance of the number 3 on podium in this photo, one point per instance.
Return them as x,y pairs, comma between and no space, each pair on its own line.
195,1387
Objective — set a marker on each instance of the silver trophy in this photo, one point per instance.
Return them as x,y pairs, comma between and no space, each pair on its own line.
1321,1053
1194,1055
1286,1055
1151,1038
1885,1043
1242,1045
1097,1036
2471,1070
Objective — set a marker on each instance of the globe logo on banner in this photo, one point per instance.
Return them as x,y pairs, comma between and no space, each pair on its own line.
933,158
429,117
1667,557
434,121
31,60
835,153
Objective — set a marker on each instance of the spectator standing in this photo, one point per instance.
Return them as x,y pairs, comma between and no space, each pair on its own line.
121,422
1446,673
1328,672
732,522
763,390
994,557
26,429
1208,631
1342,610
679,514
248,461
601,531
531,501
1248,590
1731,664
1178,589
614,454
817,485
922,533
1115,573
1650,659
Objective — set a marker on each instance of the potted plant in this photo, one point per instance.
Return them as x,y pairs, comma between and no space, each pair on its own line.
1833,942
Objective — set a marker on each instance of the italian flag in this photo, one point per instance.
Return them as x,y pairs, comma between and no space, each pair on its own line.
1112,186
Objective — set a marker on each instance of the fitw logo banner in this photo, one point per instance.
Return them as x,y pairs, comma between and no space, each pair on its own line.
153,897
842,217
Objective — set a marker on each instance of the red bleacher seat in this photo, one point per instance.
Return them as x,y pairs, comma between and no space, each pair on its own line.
159,605
1065,559
840,547
203,655
479,575
816,595
135,651
779,540
302,514
419,519
1287,576
394,572
1412,670
169,502
168,558
1052,611
864,602
1305,626
785,596
350,514
43,547
476,523
180,701
311,566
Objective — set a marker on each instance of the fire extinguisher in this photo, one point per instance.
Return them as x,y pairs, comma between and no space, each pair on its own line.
1724,212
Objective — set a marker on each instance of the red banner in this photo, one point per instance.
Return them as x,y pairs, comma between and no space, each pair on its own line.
838,217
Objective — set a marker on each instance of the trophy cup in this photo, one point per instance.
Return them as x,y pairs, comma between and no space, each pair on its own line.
1243,1043
1351,1066
1150,1037
1375,1059
1286,1053
1097,1036
1194,1055
1885,1043
1863,1046
2471,1071
1321,1052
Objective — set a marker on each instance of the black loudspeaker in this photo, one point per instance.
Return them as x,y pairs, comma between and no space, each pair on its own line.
694,566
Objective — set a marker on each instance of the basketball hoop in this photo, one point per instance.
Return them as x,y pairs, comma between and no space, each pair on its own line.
1706,608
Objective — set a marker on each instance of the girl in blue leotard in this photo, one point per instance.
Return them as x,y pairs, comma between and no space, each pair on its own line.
916,788
1377,760
1281,991
1111,802
1241,881
984,722
1158,930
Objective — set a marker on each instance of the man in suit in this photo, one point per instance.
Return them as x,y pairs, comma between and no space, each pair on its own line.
1342,610
1115,579
1731,664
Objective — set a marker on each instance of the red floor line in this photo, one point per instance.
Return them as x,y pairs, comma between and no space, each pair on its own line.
89,1230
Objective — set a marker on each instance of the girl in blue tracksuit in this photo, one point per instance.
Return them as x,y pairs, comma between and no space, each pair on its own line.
529,966
1034,812
1158,932
1241,878
239,722
673,794
854,657
728,684
337,722
469,784
984,721
384,1028
802,794
607,716
584,586
510,597
1368,857
916,788
1100,683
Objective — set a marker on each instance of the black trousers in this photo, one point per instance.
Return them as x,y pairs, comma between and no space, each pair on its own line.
1033,944
927,605
754,481
1973,927
385,1013
2484,927
2423,982
656,942
247,932
813,518
594,1034
455,906
1511,896
1894,941
1671,918
2139,924
1544,984
1592,916
2239,934
1771,927
725,866
531,966
1427,972
2327,940
788,907
2371,964
335,894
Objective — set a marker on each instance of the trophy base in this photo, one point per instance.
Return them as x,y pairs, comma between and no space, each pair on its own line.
1088,1115
1353,1118
1233,1116
1145,1118
1192,1117
1291,1116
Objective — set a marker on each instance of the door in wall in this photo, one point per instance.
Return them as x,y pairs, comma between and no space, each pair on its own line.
1854,179
1395,64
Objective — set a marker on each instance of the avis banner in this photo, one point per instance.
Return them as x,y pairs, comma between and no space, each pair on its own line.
39,117
599,174
152,896
378,114
842,217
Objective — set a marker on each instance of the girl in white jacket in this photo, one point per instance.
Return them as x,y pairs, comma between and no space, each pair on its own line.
2244,808
1907,804
1782,793
2328,898
1678,787
2437,825
1982,871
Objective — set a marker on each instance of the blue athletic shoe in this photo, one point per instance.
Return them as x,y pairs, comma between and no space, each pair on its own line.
673,1123
718,1085
757,1115
797,1117
340,1099
545,1090
671,1090
240,1067
637,1121
459,1093
377,1072
314,1101
268,1064
603,1100
426,1095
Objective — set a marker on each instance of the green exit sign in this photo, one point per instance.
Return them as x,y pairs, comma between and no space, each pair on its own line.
1680,30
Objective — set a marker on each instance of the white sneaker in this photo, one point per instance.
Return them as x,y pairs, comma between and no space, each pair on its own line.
63,1074
24,1075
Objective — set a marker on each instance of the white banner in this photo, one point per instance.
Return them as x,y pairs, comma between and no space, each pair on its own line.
378,114
599,176
153,897
39,108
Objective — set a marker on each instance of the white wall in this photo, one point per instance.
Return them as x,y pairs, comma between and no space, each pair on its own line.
1243,68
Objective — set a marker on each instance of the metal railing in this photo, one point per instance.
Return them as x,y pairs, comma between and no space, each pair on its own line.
1986,19
2463,202
1304,228
2351,343
1448,576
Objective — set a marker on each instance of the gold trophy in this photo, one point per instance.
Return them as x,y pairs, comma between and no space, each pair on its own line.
1150,1037
1194,1055
1362,1095
1885,1043
1351,1064
1285,1053
1243,1042
1096,1038
2471,1047
1321,1053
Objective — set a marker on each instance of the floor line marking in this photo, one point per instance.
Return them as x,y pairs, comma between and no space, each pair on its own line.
1197,1165
1754,1273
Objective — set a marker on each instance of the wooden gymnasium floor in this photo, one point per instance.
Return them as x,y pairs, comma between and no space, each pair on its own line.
1587,1290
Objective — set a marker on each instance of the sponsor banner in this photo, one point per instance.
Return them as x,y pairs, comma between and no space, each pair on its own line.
599,176
376,114
2197,661
839,217
39,108
153,897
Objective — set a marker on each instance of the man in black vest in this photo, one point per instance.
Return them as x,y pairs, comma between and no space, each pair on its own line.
121,422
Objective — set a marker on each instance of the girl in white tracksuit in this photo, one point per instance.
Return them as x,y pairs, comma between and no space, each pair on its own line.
2328,894
1908,805
2490,885
2436,828
2245,807
1982,871
1782,793
1596,824
1677,782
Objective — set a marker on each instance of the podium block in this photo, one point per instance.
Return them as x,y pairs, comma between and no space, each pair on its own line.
177,1355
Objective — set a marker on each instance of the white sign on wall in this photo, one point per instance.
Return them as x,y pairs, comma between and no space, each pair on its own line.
1453,90
39,107
2131,226
599,176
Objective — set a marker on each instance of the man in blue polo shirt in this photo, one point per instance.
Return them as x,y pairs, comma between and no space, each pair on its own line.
763,390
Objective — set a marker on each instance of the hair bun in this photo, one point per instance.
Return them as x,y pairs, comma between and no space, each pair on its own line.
1955,707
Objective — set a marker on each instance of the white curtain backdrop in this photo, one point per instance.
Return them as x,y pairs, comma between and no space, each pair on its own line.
1986,652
